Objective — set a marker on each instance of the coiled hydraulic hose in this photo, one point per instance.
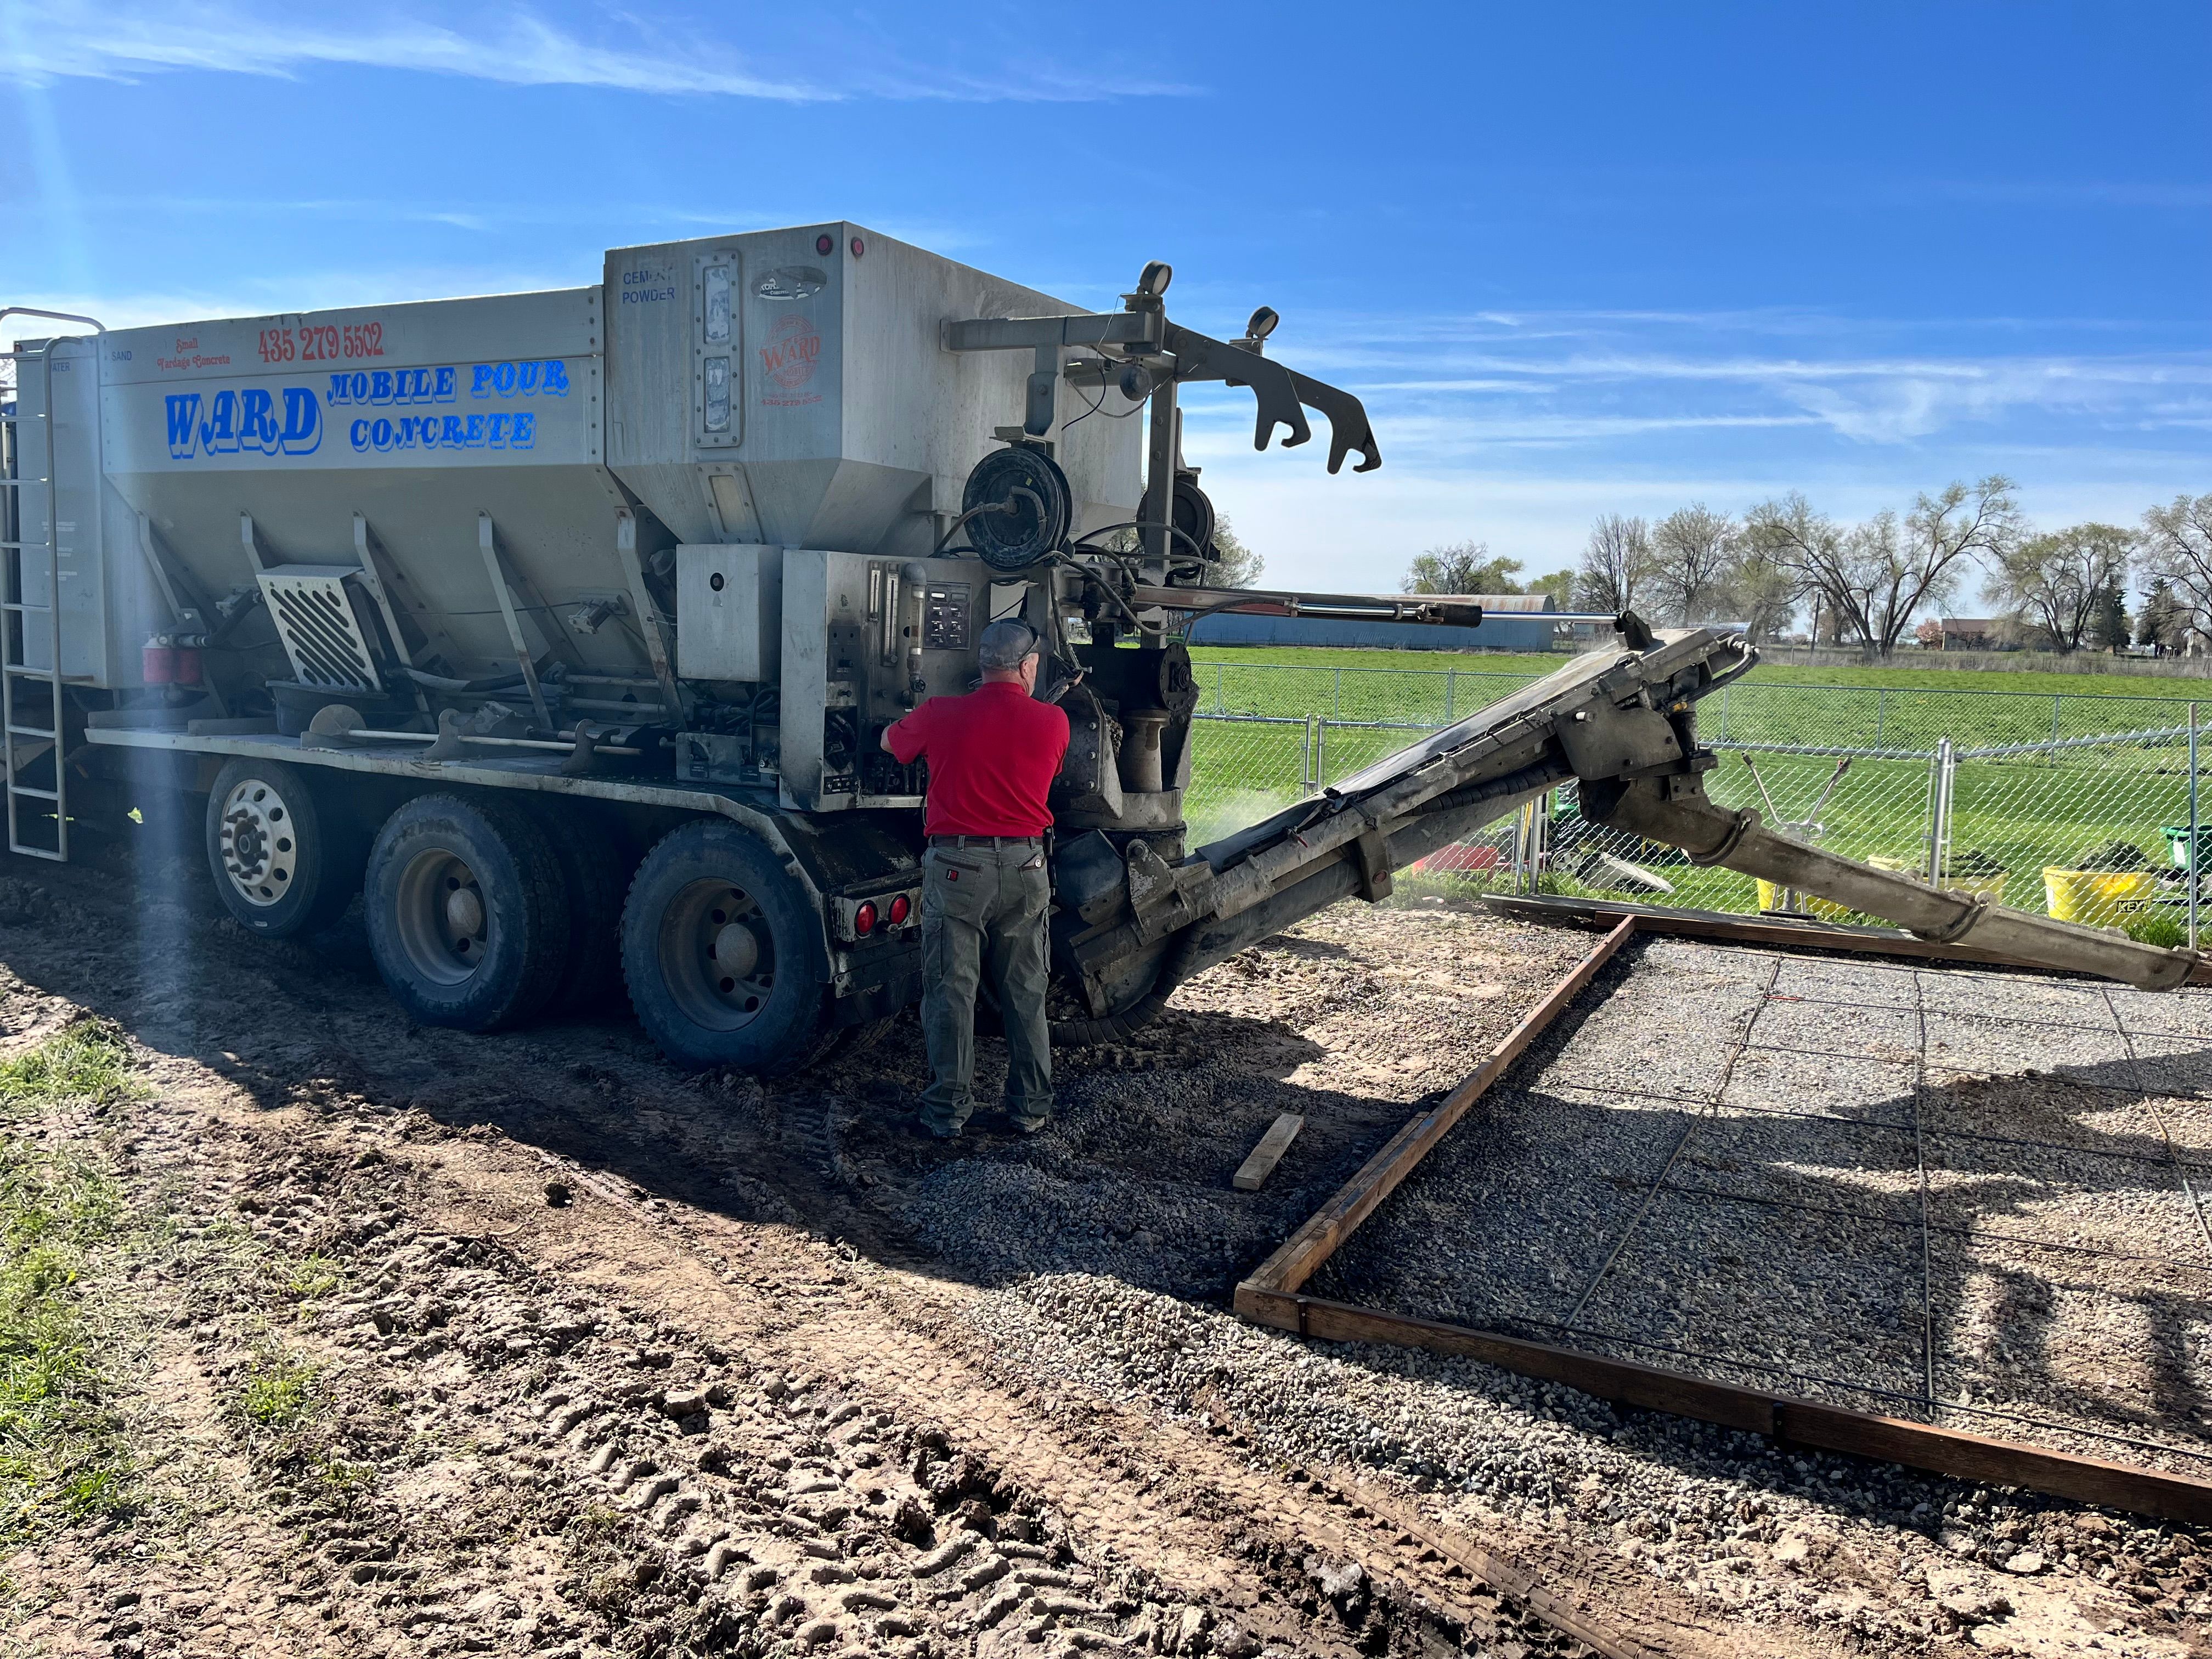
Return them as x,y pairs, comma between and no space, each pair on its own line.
1113,1028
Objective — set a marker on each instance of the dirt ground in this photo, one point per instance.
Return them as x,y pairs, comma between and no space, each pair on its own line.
426,1343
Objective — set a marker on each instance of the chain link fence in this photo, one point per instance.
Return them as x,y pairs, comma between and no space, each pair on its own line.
2084,807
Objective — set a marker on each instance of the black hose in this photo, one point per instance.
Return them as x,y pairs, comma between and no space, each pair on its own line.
440,683
1112,1027
1544,775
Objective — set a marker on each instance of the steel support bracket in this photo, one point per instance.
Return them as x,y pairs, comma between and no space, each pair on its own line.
1372,851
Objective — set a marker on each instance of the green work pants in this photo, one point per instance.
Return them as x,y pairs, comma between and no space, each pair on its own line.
983,914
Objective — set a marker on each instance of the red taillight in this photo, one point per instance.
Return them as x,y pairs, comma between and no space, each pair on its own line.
864,920
824,242
858,247
900,910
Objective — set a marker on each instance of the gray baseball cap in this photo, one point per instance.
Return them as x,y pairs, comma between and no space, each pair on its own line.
1005,643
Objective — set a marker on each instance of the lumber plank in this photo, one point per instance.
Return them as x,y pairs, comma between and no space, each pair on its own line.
2002,1462
1813,1425
1763,930
1621,1380
1252,1174
1301,1255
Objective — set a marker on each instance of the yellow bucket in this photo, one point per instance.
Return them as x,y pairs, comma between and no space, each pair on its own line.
2098,898
1770,897
1993,885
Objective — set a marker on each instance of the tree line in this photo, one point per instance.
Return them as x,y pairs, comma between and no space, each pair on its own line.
1866,585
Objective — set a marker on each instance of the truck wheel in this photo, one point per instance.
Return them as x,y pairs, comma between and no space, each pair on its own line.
723,954
282,866
468,913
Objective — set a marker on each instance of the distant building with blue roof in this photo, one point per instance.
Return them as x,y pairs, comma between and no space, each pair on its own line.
1510,622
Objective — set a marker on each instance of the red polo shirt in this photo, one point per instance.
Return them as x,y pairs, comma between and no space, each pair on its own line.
993,756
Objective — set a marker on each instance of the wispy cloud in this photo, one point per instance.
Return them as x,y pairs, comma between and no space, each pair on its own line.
1615,377
515,47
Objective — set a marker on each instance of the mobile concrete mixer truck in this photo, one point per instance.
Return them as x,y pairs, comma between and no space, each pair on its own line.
559,627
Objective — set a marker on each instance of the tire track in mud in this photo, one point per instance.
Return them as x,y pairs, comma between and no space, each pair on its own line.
1143,1486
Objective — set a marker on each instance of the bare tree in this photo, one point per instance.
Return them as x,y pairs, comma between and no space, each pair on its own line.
1760,590
2177,544
1462,568
1875,578
1614,564
2057,582
1692,549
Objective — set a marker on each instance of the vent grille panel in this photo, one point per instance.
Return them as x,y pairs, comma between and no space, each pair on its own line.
315,617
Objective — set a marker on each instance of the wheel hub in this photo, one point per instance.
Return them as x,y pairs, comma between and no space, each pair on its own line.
465,913
260,853
718,955
736,950
443,923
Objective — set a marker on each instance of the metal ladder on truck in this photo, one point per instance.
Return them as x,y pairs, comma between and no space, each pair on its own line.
21,557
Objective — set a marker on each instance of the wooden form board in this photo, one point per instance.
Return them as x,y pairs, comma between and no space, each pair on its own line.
1272,1296
1765,930
1252,1174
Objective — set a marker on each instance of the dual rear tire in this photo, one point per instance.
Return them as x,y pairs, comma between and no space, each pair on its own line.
723,954
469,913
479,919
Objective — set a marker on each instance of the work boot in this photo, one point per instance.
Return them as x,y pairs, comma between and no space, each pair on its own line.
1000,1120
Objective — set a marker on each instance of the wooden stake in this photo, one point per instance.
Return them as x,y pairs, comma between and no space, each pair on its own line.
1253,1173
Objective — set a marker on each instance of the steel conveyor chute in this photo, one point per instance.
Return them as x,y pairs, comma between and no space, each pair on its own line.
1620,723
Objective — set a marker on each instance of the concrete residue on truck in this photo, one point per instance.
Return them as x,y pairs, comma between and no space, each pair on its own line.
560,628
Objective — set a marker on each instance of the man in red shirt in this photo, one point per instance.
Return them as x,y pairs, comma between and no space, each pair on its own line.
993,756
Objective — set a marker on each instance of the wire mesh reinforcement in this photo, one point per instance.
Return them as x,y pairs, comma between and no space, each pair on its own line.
2083,807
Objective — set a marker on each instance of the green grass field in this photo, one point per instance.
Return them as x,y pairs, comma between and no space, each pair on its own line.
2023,811
1532,666
1907,708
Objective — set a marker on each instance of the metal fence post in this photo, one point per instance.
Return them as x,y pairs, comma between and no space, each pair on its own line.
1947,762
2192,826
1338,712
1308,763
1935,809
1218,707
1452,686
2055,699
1727,691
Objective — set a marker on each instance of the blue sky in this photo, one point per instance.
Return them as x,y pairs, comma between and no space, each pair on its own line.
1578,259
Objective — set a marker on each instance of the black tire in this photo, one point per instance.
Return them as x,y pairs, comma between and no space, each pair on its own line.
596,863
706,892
286,856
468,912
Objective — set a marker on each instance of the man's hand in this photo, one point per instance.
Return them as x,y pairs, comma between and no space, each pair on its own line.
884,741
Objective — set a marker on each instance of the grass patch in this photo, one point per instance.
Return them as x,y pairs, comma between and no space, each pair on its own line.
61,1449
85,1064
2165,931
278,1392
314,1275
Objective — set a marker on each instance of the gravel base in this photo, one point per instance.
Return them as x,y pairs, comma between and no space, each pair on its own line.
1348,1020
1787,1204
